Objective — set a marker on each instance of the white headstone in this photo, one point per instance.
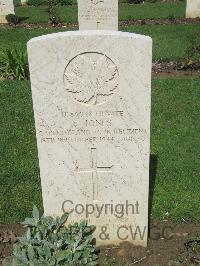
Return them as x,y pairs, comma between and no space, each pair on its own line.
193,9
98,14
6,7
23,2
91,96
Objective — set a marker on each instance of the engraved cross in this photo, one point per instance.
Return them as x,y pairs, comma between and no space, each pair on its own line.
94,170
98,24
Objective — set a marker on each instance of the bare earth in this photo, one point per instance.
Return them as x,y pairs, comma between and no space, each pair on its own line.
165,243
122,23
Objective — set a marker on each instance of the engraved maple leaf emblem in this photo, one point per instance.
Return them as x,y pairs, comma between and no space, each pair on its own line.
91,78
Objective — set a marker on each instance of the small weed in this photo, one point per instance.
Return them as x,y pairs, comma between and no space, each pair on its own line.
53,12
113,262
66,2
13,19
171,17
14,64
191,253
193,54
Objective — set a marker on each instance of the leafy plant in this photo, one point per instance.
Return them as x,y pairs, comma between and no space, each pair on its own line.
48,242
53,13
12,19
14,64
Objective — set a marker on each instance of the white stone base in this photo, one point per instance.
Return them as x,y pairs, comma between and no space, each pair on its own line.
23,2
193,9
6,7
3,20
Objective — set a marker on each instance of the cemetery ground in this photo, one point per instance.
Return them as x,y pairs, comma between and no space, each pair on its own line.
126,12
175,149
174,175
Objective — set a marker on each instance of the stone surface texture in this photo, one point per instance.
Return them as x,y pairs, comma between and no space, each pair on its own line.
91,95
193,9
23,2
6,7
98,14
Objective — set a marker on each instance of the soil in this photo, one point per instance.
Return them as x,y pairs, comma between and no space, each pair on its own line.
174,69
122,23
165,244
177,73
166,241
8,236
162,21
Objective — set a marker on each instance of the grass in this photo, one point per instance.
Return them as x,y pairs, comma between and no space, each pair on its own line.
174,143
126,12
40,14
19,175
170,41
152,11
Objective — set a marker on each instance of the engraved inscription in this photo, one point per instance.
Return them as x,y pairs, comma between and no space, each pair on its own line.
101,16
2,7
96,2
91,78
91,126
98,14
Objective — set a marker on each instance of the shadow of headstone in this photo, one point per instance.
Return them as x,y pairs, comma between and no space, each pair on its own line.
152,178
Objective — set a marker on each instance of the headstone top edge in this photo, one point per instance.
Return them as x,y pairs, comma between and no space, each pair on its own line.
89,33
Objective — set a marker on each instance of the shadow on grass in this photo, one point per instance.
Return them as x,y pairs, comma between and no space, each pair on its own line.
152,178
22,19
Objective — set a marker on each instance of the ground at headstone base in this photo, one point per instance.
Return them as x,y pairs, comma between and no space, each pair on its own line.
124,23
165,245
175,69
